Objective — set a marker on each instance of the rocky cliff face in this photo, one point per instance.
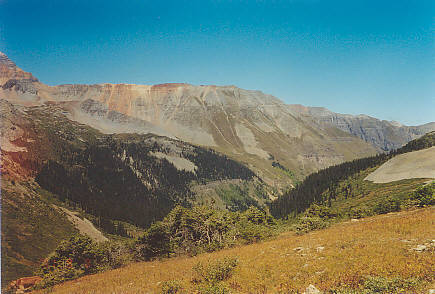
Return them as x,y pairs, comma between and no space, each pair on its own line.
250,126
384,135
9,71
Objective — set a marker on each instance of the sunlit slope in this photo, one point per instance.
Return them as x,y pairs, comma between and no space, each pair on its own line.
380,246
417,164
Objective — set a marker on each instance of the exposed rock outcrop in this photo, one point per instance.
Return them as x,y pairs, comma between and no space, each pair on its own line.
311,289
8,71
384,135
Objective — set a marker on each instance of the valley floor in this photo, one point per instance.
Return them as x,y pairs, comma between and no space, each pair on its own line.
342,256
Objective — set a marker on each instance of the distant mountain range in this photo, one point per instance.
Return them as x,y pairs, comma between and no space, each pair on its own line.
384,135
281,143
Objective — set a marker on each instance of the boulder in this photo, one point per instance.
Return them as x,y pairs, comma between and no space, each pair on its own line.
420,248
311,289
320,249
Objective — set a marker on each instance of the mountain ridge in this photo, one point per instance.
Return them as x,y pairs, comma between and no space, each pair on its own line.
248,125
383,134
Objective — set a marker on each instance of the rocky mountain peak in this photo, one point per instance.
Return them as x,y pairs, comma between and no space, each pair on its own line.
4,60
10,71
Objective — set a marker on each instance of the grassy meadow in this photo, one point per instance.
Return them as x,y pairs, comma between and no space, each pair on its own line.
347,257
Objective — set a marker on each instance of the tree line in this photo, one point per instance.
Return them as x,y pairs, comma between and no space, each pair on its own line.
311,189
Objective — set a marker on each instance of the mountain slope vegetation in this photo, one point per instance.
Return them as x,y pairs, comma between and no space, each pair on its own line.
31,229
191,231
77,162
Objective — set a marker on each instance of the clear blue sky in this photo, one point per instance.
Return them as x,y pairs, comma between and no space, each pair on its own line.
351,56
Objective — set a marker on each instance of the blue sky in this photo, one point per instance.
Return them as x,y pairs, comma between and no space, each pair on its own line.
359,56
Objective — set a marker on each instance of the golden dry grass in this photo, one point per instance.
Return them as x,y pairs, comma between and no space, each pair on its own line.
378,246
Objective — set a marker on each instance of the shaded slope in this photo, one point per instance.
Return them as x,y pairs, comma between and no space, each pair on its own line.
31,229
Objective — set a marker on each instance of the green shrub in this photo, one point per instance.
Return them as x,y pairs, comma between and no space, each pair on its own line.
384,285
360,212
307,224
73,258
79,252
58,275
217,271
203,229
79,256
377,284
214,289
316,217
387,205
155,242
171,287
424,195
321,211
258,217
247,232
117,254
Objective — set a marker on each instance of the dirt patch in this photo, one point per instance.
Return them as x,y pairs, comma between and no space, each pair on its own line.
84,226
179,162
250,144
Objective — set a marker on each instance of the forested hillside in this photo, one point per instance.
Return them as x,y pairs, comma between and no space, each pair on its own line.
111,179
312,189
124,177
